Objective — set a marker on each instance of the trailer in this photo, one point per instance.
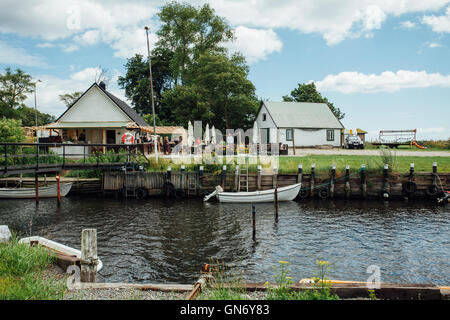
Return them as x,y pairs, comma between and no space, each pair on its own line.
395,138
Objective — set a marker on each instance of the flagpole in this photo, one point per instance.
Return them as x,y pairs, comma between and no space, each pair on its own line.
151,93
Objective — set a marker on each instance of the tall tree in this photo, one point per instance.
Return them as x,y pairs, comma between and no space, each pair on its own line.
14,87
136,82
219,92
70,98
307,92
188,32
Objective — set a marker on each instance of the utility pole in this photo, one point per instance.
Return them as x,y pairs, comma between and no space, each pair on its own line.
35,106
151,93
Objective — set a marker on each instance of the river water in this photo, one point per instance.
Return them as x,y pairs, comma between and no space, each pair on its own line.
162,241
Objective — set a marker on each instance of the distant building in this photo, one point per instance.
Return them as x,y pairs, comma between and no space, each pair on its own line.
303,124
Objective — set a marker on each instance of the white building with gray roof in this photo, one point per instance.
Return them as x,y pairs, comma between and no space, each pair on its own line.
303,124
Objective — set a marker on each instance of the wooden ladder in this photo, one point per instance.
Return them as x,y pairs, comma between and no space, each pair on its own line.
243,177
192,183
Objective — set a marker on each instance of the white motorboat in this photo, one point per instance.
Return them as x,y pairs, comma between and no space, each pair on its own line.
63,252
27,193
287,193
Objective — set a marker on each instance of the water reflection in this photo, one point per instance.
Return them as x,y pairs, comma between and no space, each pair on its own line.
167,241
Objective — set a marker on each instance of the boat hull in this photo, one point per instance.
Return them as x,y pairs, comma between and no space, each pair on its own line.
30,193
57,248
284,194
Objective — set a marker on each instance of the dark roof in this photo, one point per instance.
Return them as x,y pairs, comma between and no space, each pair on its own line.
133,115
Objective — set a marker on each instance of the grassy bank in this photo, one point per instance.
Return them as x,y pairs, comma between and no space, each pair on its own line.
22,273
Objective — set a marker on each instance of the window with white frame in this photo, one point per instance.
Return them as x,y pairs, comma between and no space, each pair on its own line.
289,134
330,135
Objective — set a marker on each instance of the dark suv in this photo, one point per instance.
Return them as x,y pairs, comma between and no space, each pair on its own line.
353,142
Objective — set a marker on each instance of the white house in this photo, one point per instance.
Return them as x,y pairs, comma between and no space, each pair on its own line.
98,117
303,124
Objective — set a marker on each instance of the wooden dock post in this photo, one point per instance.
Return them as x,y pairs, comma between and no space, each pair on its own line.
347,181
58,181
276,203
385,192
224,176
363,181
36,185
254,221
169,174
333,177
311,183
89,258
258,178
275,178
300,174
182,183
236,178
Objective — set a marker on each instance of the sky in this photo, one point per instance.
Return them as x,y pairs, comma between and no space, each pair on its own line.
385,64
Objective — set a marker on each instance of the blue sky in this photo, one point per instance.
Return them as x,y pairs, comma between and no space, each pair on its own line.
384,63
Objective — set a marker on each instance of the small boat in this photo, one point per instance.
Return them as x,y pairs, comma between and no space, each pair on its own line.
287,193
29,193
64,254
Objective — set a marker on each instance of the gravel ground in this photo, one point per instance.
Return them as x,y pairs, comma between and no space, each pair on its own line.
122,294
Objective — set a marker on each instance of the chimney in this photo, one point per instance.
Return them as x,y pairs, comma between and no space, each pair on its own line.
102,85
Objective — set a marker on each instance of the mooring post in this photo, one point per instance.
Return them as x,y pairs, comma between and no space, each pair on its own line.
58,182
169,174
363,181
300,173
434,173
275,177
385,191
254,221
182,177
311,183
89,258
258,178
347,181
224,176
333,176
411,172
236,178
36,185
276,203
200,178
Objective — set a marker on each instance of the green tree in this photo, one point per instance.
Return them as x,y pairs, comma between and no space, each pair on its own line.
70,98
11,130
14,87
136,82
188,32
307,92
219,92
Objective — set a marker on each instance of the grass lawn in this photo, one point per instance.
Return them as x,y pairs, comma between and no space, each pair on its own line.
22,273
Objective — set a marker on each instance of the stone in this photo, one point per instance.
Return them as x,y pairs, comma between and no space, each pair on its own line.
5,234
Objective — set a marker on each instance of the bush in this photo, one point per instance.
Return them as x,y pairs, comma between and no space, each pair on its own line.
11,130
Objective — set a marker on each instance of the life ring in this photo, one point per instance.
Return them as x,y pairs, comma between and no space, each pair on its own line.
409,187
303,193
141,193
128,138
168,189
324,193
432,190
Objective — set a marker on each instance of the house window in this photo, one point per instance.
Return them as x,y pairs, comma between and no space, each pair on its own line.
330,135
288,134
264,117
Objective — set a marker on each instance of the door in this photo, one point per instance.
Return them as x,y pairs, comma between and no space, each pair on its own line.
111,136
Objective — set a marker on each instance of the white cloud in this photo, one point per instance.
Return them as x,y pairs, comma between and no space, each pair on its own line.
45,45
388,81
439,23
90,37
434,45
408,24
255,44
18,56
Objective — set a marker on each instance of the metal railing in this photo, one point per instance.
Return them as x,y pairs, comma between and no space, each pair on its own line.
39,157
